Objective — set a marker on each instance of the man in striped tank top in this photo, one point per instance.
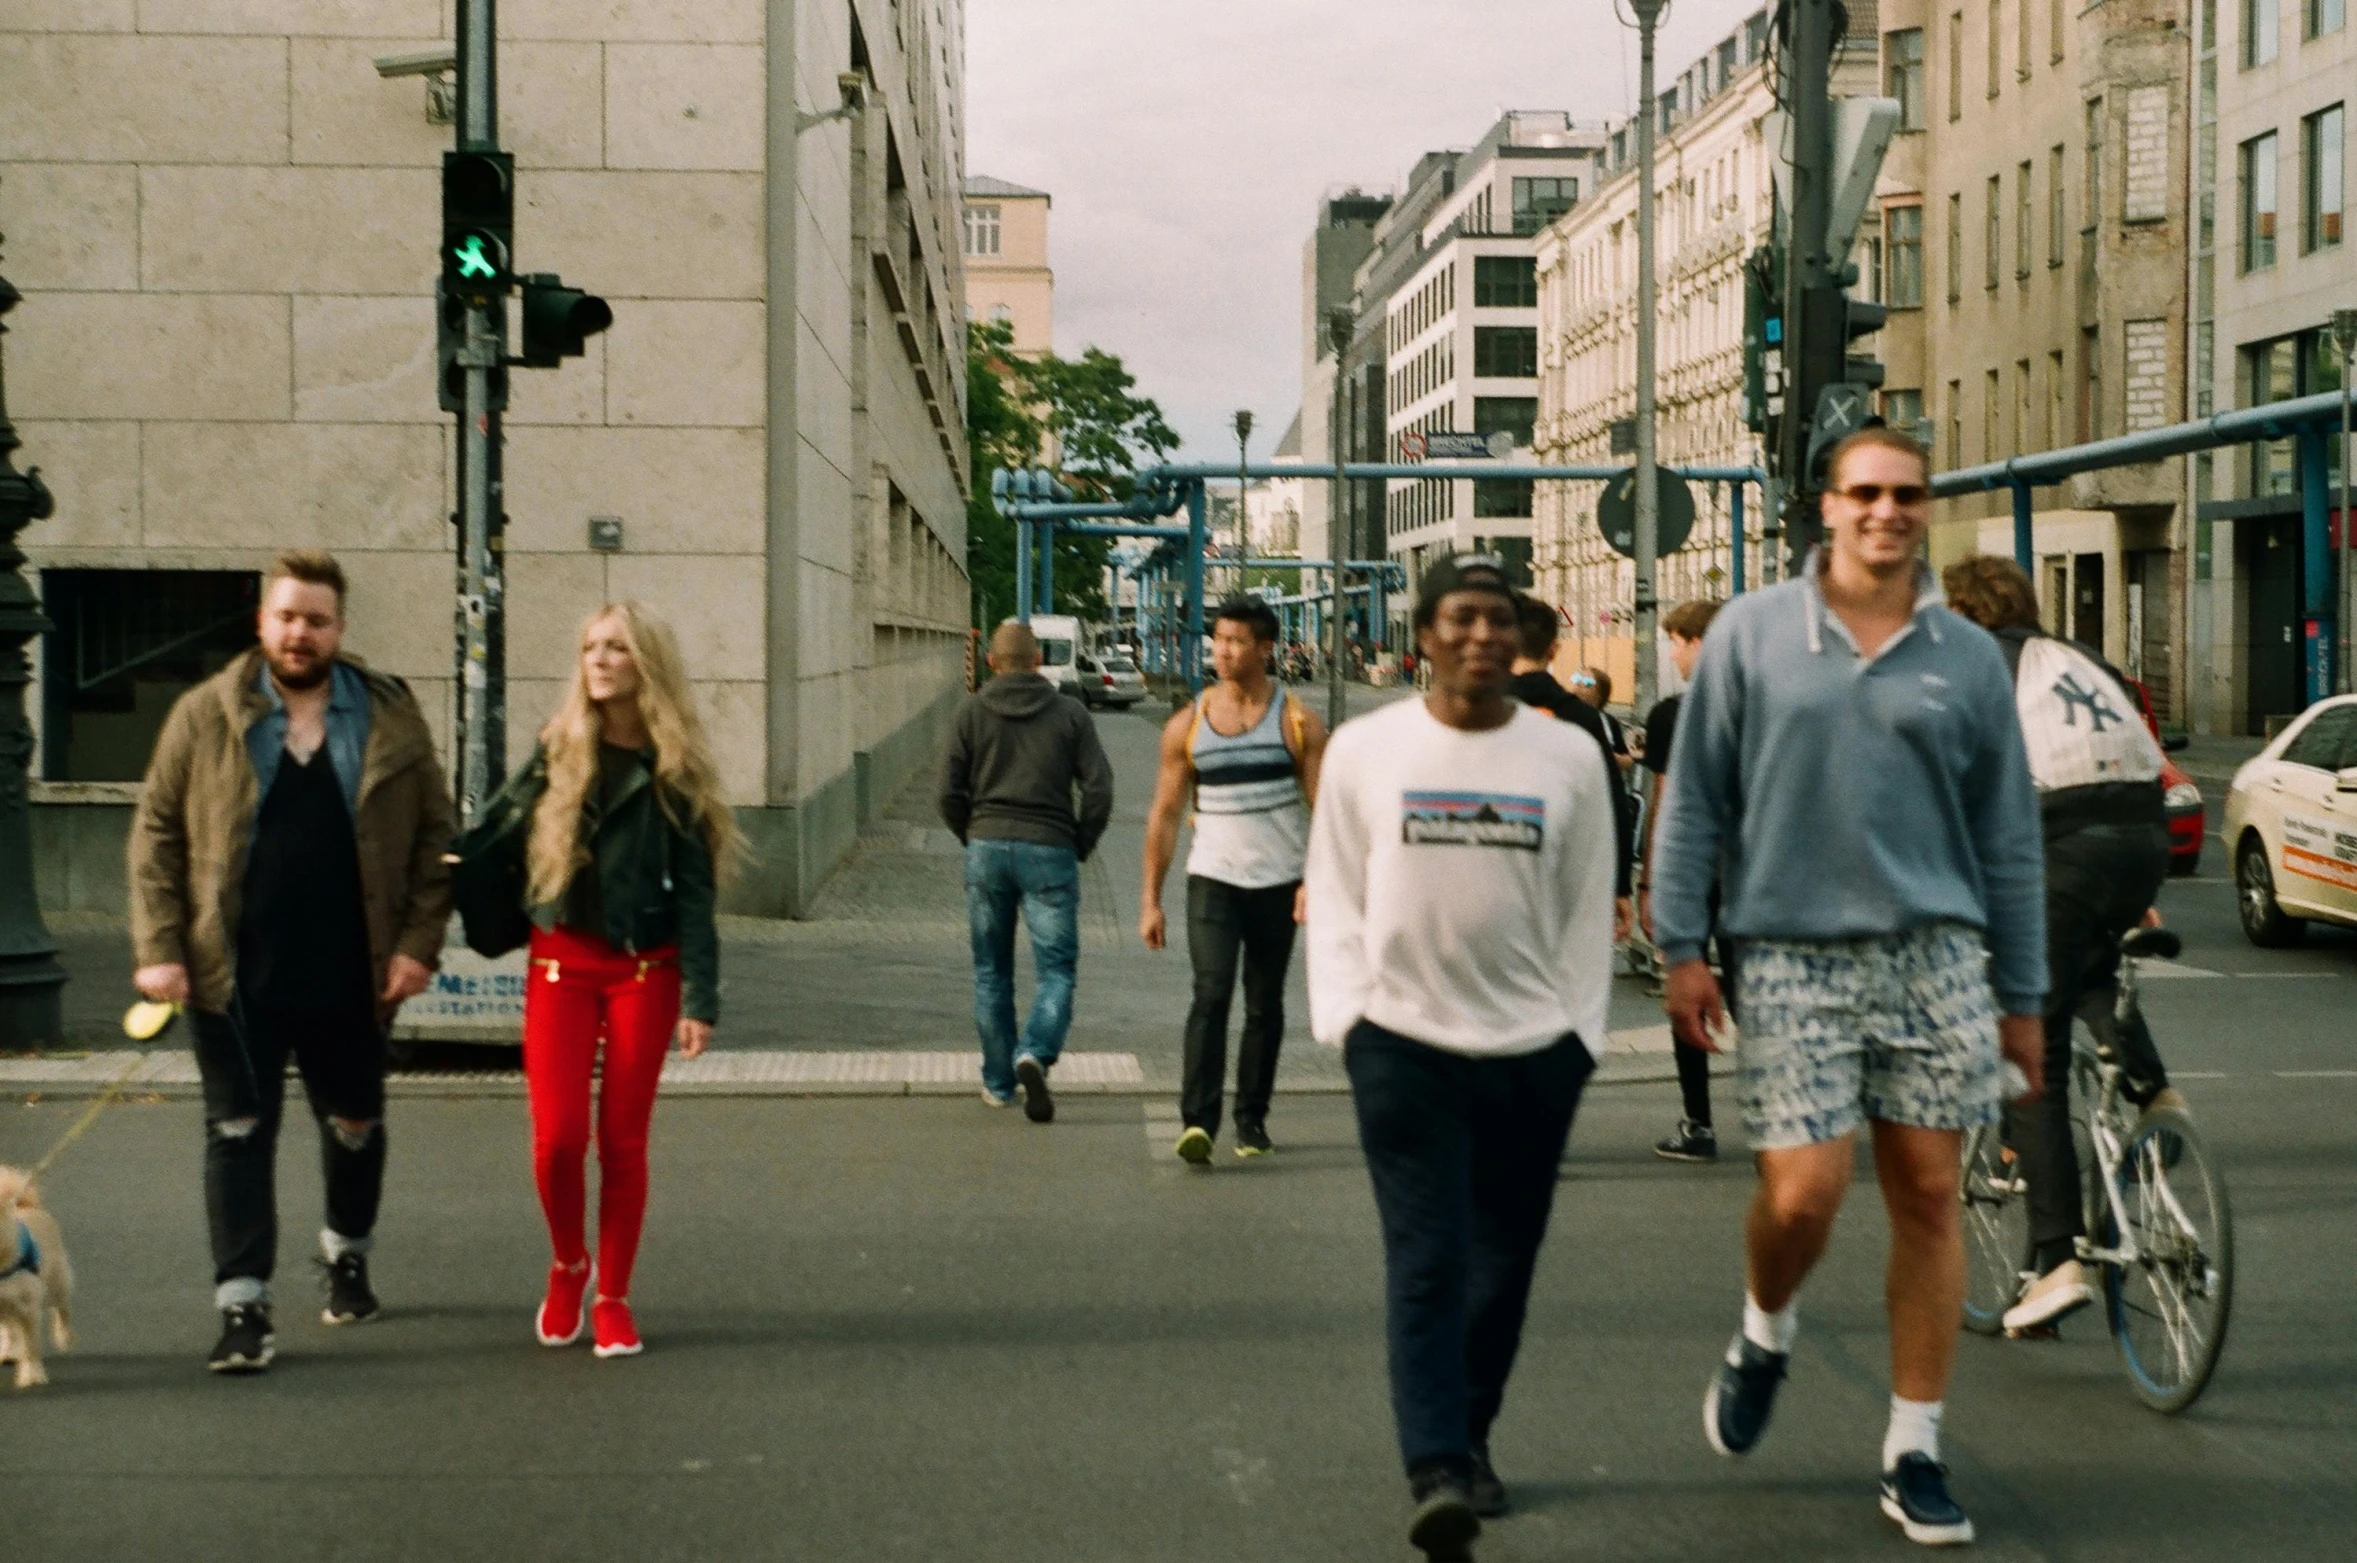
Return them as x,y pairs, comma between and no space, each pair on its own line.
1248,754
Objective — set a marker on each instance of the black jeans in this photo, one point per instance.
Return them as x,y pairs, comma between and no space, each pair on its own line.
1463,1154
2100,880
242,1056
1223,920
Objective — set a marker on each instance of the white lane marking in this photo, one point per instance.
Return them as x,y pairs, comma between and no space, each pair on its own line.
2284,976
2199,1074
2316,1074
2168,969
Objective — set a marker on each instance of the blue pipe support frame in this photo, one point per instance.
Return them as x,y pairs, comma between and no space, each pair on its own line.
1735,540
2024,533
1047,567
1195,473
1022,571
2243,425
2317,614
1191,652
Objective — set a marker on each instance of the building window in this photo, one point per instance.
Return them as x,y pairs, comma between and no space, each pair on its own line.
1955,423
1955,248
1505,282
1517,416
1955,65
1903,411
2022,228
124,645
2060,18
1990,392
1001,315
1996,43
2094,162
2321,194
2091,384
2257,226
981,230
1502,497
2021,406
2055,218
1902,74
1538,202
2262,32
1993,216
2027,18
2055,428
1505,352
1903,287
2324,16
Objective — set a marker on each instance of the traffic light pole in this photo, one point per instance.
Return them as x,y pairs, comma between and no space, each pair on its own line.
1644,556
1808,270
482,575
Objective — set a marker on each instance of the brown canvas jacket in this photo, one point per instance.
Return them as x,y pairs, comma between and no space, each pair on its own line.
195,820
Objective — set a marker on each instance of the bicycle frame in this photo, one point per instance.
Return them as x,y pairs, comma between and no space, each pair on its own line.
2103,1120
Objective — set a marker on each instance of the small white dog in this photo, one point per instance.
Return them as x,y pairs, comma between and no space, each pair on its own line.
35,1279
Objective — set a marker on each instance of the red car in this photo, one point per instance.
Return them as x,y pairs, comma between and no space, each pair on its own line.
2181,798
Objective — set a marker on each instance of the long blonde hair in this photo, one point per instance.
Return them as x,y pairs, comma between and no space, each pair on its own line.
687,782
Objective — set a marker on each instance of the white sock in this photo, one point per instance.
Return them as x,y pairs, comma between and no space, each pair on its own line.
1915,1425
1770,1331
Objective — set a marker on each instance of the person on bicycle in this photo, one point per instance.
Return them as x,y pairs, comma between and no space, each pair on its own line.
2097,770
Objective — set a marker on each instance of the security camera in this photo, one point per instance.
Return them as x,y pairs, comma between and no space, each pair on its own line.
854,86
426,62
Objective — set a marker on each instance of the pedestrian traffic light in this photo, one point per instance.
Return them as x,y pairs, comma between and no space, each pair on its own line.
1763,340
558,320
478,225
450,314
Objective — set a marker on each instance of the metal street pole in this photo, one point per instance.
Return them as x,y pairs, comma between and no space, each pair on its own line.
1807,59
1338,332
30,978
1243,424
482,574
1648,496
2344,337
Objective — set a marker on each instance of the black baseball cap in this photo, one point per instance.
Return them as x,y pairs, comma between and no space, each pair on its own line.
1460,573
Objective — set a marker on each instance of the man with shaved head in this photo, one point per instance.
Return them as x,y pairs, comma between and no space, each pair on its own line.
1016,757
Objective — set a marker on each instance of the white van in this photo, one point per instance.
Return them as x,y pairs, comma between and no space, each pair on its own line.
1059,649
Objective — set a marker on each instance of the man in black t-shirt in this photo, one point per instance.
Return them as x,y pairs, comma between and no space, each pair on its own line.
1533,685
1693,1139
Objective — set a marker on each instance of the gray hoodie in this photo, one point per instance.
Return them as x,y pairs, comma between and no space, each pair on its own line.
1017,751
1844,796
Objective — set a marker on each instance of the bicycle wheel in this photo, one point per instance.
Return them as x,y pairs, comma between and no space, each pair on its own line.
1996,1230
2168,1309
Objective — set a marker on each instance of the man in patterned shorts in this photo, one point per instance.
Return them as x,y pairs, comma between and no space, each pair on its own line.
1849,762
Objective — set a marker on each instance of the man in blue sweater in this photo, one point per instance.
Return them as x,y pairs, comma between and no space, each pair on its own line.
1850,765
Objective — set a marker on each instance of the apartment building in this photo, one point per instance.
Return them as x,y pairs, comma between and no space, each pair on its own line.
2273,82
225,224
1713,205
2052,164
1338,243
1008,279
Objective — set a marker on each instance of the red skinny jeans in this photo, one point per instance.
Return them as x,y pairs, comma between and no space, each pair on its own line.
581,990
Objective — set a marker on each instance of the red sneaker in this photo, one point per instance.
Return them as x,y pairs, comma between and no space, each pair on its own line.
564,1312
611,1324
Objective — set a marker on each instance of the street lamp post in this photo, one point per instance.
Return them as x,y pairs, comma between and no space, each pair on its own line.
2344,337
30,978
1243,424
1648,495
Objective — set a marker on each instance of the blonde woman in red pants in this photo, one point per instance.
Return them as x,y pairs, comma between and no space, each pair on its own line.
629,836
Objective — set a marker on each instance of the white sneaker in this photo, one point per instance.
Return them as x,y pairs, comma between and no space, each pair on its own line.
2061,1290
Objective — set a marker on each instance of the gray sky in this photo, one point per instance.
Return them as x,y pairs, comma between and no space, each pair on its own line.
1187,142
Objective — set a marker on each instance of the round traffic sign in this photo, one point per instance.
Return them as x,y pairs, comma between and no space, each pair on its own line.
1616,512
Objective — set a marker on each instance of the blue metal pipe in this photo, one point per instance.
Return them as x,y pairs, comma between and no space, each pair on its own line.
1047,567
1437,470
1022,571
1191,653
2024,534
1735,540
2241,426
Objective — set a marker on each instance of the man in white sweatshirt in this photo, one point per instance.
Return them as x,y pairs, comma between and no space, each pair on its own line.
1460,882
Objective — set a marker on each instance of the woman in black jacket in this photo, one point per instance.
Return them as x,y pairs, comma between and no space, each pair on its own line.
629,836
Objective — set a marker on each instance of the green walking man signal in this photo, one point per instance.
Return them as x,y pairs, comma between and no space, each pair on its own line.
472,262
478,226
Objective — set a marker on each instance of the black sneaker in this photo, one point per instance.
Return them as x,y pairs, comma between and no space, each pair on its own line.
1690,1141
349,1300
1487,1493
246,1344
1252,1139
1032,1075
1444,1524
1742,1393
1915,1493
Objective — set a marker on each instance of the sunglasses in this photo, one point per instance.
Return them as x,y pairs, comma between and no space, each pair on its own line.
1905,495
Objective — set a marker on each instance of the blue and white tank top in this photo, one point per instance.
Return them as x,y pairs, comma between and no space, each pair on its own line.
1251,825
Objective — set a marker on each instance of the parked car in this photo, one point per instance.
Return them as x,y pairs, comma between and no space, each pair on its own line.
1108,678
2291,826
2182,799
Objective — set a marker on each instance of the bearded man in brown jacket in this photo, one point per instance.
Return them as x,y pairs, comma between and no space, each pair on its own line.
288,888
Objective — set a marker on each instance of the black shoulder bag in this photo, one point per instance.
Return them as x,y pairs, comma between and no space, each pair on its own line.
488,874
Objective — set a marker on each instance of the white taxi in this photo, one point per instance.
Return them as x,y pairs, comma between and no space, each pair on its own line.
2291,826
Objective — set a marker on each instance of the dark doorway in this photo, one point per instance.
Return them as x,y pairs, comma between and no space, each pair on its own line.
126,644
2087,600
2149,597
2270,561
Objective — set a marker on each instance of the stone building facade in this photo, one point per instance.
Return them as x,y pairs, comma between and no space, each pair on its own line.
225,225
1008,278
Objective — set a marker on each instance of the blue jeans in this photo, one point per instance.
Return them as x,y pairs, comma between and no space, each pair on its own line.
1043,883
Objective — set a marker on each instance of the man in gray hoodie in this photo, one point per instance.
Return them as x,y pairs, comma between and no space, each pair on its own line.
1850,766
1015,757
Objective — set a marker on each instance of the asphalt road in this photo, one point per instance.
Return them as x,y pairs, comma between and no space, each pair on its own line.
923,1330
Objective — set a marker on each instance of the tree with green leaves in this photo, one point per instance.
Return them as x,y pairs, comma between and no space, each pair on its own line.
1087,411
